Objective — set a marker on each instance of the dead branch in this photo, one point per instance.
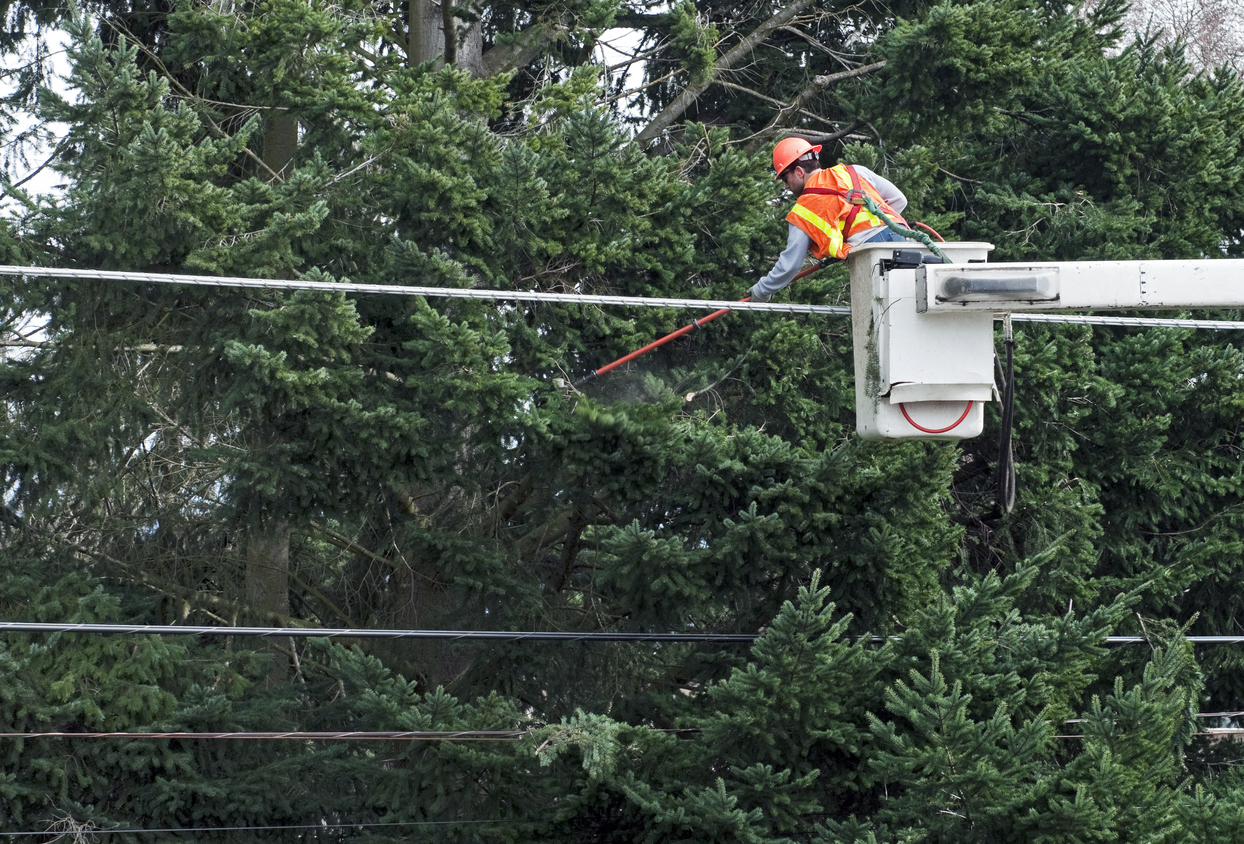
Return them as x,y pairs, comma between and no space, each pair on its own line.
523,49
684,100
781,120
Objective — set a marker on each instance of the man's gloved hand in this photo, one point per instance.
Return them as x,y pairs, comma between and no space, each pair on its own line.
757,296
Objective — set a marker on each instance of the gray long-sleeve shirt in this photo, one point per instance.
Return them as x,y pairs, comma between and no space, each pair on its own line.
798,242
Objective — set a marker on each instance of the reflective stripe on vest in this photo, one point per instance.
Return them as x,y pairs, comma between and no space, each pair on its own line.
832,234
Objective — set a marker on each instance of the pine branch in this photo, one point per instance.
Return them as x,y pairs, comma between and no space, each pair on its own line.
186,92
643,87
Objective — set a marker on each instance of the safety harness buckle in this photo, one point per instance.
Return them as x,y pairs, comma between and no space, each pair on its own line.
855,196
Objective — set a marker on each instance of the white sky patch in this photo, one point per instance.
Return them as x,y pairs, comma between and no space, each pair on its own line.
26,162
618,52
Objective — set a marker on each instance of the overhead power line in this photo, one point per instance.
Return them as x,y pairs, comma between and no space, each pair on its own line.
463,635
91,831
1139,322
423,735
314,735
404,290
369,633
569,298
1194,640
294,735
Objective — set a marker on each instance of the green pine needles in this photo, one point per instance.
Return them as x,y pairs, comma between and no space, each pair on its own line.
928,669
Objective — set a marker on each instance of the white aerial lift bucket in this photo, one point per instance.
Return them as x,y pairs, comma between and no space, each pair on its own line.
916,378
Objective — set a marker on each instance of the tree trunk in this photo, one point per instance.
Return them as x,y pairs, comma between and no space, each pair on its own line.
267,582
280,141
426,41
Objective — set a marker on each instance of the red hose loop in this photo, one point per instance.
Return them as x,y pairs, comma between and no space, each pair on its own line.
930,228
903,407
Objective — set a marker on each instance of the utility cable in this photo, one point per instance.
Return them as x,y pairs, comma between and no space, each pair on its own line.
380,735
1137,322
1006,455
92,831
313,735
369,633
404,290
460,635
532,296
294,735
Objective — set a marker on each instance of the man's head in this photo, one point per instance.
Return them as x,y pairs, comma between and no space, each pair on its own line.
794,159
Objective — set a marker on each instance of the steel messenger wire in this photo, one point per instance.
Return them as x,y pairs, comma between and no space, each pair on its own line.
459,735
1136,322
90,833
404,290
581,298
369,633
292,735
465,635
438,735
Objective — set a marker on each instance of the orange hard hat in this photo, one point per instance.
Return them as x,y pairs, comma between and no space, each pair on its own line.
788,151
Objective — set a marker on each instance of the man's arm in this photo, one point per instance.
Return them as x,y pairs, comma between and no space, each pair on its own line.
787,266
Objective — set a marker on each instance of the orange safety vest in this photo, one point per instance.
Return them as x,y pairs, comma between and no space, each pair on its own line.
826,213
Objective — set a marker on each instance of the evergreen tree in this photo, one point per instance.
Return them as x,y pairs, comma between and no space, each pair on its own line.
216,455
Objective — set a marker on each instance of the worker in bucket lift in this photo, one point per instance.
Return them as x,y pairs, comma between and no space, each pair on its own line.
829,217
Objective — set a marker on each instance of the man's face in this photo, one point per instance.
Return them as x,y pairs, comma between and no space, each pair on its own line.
795,178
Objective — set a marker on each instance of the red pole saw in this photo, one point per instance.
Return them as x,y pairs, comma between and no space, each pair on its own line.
699,323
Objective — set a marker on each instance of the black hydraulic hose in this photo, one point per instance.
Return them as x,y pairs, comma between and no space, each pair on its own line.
1006,455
